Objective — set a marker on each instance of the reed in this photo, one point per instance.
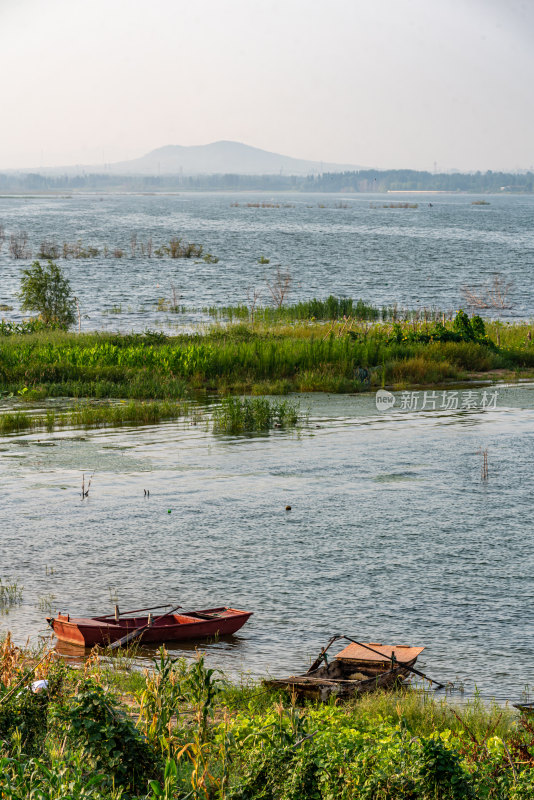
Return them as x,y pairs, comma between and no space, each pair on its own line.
86,415
46,602
236,415
10,594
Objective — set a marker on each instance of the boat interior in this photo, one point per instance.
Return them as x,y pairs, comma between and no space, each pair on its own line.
184,618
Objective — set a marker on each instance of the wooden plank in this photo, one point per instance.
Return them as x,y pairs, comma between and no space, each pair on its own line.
130,637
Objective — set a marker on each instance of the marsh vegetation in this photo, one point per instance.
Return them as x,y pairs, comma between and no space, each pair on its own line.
181,730
264,358
20,247
10,594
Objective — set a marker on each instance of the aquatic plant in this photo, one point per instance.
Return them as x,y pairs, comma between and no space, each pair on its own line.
178,248
247,415
10,594
19,246
46,602
77,250
48,249
86,415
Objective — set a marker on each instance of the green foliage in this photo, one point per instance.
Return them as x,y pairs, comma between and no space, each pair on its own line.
160,699
18,328
107,738
196,737
326,755
463,329
167,791
47,291
22,777
23,715
201,688
10,594
264,359
249,415
441,774
169,685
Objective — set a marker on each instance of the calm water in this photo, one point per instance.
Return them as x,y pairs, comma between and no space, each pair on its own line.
415,257
392,537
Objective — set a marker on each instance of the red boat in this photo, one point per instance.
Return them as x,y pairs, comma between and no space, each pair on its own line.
169,627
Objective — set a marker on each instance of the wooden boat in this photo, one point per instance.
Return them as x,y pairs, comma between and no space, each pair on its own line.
525,708
171,627
357,669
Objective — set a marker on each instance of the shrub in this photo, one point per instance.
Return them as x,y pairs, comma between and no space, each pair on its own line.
108,739
47,291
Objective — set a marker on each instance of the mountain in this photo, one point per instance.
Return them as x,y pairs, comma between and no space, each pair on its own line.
219,158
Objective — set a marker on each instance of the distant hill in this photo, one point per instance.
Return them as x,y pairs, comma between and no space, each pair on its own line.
220,158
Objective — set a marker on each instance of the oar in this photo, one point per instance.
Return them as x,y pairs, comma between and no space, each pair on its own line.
404,666
139,631
135,611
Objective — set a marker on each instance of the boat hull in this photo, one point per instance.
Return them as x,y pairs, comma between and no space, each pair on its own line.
91,631
322,688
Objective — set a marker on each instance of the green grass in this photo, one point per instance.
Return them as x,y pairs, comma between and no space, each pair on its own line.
232,416
245,415
267,358
10,594
94,416
332,308
180,729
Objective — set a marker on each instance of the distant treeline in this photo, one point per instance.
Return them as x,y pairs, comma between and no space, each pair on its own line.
366,181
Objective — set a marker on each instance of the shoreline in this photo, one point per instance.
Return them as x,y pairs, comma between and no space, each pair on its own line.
183,728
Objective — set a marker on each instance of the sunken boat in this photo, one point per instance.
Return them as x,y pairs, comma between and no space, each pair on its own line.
359,668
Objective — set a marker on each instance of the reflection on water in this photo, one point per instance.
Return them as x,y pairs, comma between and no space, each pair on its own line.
392,536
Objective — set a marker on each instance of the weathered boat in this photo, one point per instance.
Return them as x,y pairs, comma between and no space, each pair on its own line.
170,627
357,669
525,708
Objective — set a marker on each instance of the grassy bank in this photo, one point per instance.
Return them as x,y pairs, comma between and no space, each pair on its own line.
337,356
182,731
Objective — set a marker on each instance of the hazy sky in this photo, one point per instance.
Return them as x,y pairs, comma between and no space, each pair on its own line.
381,83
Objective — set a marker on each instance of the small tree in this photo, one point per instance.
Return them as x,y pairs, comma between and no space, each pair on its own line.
280,286
47,291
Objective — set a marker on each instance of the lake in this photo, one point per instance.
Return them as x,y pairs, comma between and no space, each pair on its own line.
346,245
393,536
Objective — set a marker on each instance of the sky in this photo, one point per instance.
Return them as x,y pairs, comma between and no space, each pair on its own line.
420,84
